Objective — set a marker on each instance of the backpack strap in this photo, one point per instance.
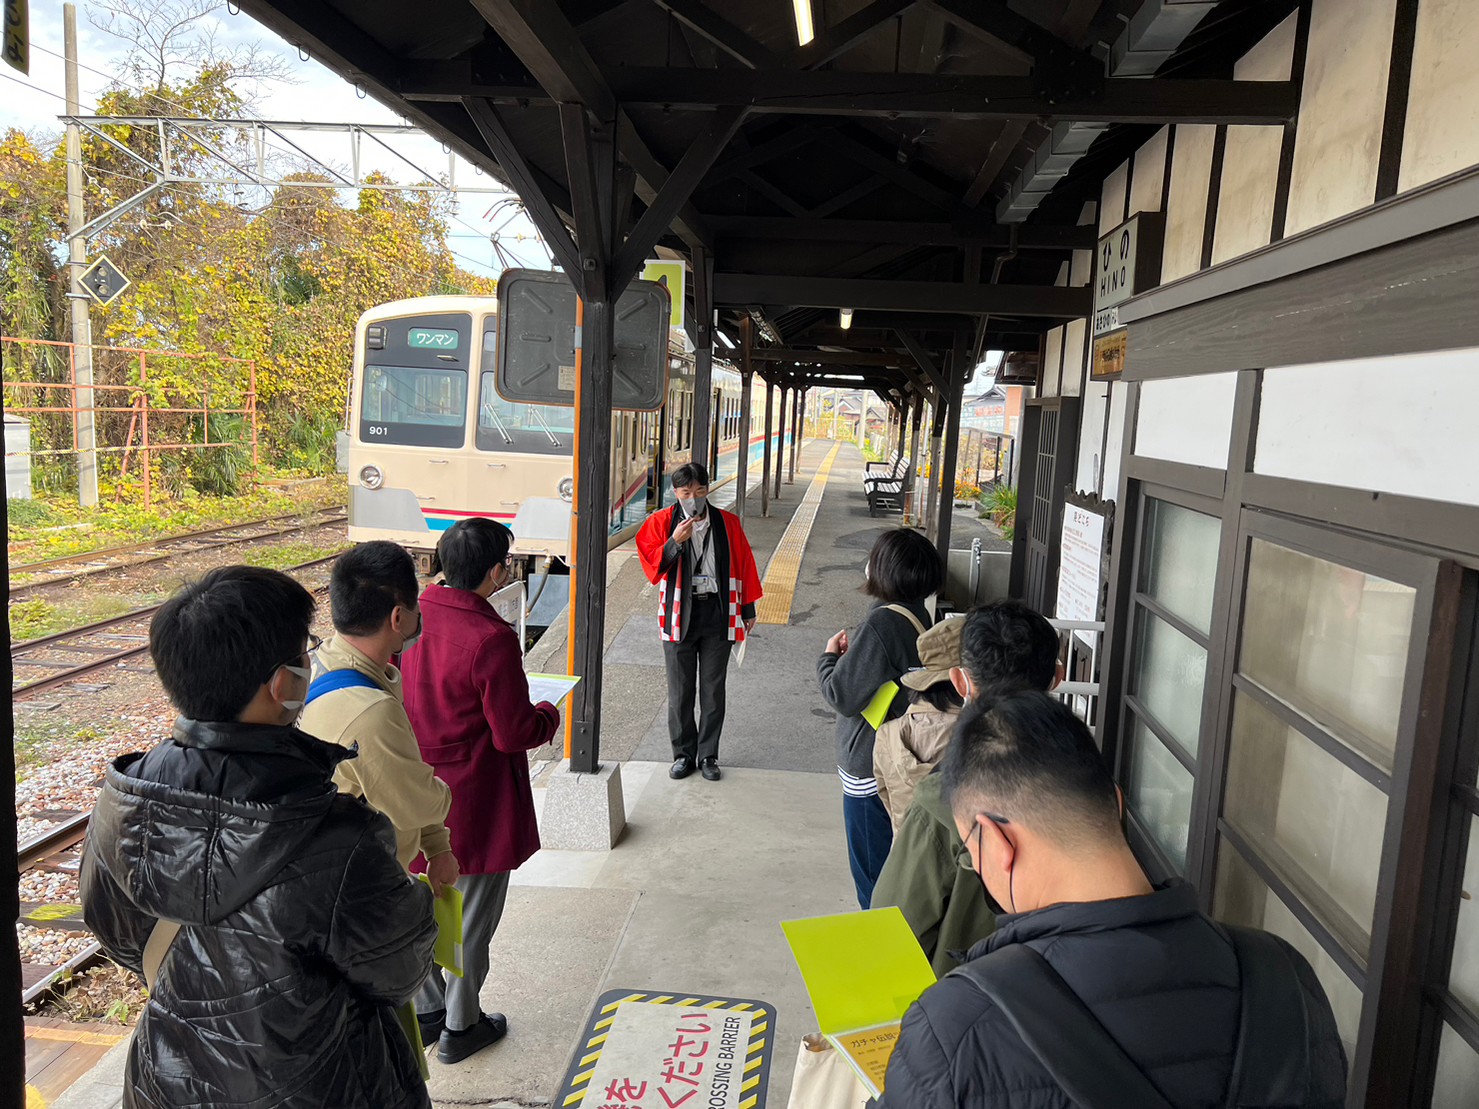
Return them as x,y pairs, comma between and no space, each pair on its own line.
333,680
1271,1063
1068,1040
156,947
907,615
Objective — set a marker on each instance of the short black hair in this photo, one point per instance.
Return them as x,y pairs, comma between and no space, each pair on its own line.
469,549
369,580
217,641
1025,756
690,473
903,566
1008,644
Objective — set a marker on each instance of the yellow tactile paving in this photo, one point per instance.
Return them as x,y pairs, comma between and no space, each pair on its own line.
785,564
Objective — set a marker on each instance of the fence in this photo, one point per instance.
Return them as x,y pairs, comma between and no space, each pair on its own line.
152,415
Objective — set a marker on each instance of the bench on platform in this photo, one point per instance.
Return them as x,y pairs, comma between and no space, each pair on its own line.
887,485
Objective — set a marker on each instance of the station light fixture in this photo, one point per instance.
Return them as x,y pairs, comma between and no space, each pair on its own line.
805,31
846,318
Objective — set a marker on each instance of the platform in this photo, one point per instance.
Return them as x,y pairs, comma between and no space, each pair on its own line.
693,894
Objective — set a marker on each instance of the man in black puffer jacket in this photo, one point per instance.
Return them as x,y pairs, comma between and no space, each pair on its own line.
1038,815
300,932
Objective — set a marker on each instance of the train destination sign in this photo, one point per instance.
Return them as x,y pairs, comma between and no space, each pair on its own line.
1127,262
433,338
666,1050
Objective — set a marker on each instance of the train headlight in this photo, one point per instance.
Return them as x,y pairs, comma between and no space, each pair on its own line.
371,477
567,489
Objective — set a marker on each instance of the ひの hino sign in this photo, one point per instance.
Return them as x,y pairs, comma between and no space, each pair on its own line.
1127,262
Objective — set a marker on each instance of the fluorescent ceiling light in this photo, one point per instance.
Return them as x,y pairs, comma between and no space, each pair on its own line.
846,315
805,32
723,338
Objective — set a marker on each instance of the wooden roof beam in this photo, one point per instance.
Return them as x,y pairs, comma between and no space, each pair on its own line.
1052,301
726,36
960,233
839,39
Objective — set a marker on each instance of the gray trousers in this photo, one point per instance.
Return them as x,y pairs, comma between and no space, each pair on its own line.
483,896
697,668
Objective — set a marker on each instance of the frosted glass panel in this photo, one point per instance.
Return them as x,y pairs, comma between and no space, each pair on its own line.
1332,642
1463,977
1169,673
1158,789
1241,897
1318,823
1180,560
1458,1073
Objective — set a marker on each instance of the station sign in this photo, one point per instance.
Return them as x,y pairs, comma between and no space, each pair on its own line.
1127,262
673,276
663,1050
1109,355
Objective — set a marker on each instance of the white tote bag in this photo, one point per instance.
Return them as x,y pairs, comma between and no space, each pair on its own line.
823,1080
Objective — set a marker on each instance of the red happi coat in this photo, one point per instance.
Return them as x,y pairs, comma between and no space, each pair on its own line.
666,567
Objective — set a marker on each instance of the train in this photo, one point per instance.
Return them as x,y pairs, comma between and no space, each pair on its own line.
430,440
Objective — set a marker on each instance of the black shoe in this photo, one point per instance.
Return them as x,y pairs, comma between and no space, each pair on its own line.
710,770
681,768
453,1047
432,1026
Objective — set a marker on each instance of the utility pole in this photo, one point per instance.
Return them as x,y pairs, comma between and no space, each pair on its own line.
87,455
836,412
862,418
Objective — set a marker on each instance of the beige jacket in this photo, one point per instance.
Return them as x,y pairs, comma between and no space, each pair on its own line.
389,772
905,750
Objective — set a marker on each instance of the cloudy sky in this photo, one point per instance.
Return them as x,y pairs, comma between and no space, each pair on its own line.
314,94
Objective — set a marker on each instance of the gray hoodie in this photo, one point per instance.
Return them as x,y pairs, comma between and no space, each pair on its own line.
881,649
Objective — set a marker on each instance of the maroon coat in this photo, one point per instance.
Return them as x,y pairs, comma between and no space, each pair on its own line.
468,701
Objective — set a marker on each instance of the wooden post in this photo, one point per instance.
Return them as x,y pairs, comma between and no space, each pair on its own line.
765,457
703,354
747,379
780,446
946,482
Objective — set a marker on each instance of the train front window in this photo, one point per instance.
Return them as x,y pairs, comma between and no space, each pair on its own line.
522,428
414,407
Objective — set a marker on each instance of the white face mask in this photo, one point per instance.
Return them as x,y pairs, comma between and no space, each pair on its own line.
410,641
297,672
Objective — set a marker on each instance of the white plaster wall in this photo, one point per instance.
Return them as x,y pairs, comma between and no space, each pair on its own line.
1250,165
1148,181
1186,216
1114,455
1442,134
1402,424
1187,419
1051,357
1343,104
1112,198
1090,436
1074,352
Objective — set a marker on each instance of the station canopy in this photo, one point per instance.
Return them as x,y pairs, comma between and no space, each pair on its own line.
924,164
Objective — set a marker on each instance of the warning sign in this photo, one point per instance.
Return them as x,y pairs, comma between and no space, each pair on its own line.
662,1051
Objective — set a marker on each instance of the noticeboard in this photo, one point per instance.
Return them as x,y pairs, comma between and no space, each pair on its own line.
537,338
1081,562
666,1050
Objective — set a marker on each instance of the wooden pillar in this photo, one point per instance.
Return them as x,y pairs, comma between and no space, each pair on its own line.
796,395
747,378
765,456
703,353
958,358
780,458
902,415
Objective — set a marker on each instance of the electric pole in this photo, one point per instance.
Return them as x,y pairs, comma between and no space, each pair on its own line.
87,456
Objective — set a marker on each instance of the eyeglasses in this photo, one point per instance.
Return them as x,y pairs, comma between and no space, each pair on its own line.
963,852
314,643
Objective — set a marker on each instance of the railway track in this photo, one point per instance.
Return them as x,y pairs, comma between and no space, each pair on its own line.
56,849
102,645
115,559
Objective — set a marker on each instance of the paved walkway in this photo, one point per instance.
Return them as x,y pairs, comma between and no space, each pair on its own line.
692,897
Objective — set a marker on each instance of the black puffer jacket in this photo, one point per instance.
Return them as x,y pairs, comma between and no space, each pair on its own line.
301,931
1158,975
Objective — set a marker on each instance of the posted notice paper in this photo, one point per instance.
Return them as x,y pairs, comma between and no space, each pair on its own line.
863,970
553,688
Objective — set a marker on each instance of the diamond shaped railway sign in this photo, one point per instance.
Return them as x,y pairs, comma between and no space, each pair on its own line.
103,281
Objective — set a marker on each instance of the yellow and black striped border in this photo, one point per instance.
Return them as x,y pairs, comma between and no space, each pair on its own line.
588,1049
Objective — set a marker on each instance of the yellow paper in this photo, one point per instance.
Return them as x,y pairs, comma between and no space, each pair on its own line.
862,972
448,911
877,710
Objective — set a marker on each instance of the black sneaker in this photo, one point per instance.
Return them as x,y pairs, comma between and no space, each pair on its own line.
681,768
453,1047
710,770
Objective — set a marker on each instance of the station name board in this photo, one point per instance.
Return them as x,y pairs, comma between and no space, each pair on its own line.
1128,261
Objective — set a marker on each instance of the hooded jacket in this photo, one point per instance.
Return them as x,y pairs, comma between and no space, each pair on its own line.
1160,977
944,903
301,932
907,749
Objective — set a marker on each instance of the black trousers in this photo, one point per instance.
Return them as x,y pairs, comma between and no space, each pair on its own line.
698,665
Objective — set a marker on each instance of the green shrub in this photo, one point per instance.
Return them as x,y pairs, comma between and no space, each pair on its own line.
999,503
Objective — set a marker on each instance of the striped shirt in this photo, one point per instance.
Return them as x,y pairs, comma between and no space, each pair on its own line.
857,787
